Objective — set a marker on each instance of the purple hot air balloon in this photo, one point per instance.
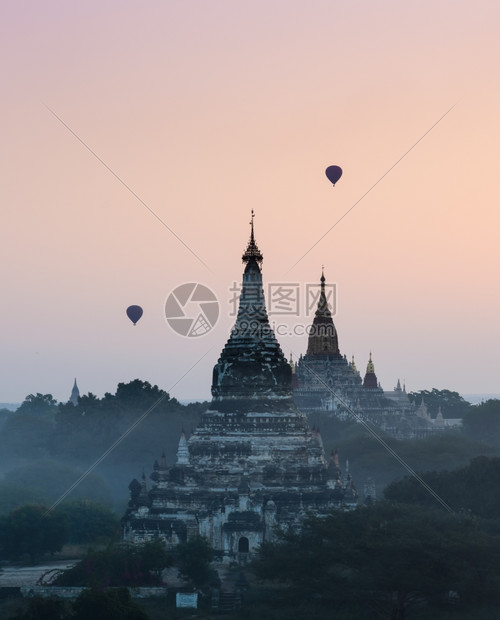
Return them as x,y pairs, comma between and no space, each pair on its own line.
333,174
134,313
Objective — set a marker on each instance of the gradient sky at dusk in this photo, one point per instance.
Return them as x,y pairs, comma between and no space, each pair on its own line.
209,109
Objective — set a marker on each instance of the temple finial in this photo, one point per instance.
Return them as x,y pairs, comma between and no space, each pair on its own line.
252,251
323,303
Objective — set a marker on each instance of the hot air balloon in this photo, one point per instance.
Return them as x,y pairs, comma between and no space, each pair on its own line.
333,174
134,313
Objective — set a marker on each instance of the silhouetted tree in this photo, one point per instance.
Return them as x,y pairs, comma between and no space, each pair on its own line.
88,521
387,557
155,557
482,422
51,478
26,435
42,404
107,605
471,488
29,530
119,565
193,560
452,404
13,496
45,609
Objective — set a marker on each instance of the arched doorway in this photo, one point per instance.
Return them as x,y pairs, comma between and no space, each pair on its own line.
243,545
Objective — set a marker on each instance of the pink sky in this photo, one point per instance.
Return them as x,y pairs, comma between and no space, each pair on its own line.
209,109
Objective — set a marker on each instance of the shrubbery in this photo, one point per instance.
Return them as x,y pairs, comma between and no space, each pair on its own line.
119,565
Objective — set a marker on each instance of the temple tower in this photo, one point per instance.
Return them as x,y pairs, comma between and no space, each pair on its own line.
252,463
323,372
252,371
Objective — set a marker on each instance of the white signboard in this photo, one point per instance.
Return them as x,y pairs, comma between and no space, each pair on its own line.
186,600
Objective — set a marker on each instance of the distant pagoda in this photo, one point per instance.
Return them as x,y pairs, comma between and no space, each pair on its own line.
324,381
253,463
323,373
75,394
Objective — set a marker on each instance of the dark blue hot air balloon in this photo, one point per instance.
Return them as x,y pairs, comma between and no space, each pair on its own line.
134,313
333,174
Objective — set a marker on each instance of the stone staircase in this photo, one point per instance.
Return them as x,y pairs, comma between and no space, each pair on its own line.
229,601
229,596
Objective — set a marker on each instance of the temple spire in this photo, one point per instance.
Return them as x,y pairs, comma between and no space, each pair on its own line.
252,251
323,304
183,450
370,381
323,340
75,394
252,366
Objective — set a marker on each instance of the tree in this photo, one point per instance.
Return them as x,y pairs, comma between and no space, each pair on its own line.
51,479
13,496
30,530
118,565
107,605
26,435
471,488
482,422
89,522
452,404
40,404
45,609
193,560
4,416
139,393
90,605
87,430
388,557
155,557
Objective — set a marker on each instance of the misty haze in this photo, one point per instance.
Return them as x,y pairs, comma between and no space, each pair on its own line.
250,311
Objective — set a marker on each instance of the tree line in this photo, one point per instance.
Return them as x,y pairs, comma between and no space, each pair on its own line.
390,561
45,446
32,531
41,428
